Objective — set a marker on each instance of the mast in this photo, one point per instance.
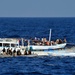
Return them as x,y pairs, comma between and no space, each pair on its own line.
22,42
50,35
28,44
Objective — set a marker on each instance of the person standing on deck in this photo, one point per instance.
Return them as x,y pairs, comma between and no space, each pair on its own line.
14,52
4,51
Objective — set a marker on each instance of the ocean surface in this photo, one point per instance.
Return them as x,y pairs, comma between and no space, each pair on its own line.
38,27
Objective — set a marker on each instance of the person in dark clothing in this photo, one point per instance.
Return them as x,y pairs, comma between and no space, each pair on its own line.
10,51
4,51
7,51
18,52
14,52
29,52
25,53
60,41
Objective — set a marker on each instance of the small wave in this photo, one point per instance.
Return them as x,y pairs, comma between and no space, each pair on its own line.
23,73
34,73
13,73
49,64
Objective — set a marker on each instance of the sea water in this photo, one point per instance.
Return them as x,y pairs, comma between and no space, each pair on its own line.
39,28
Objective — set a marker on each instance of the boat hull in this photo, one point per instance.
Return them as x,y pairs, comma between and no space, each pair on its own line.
57,46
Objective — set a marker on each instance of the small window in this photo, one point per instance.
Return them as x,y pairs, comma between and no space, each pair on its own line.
0,44
6,45
12,45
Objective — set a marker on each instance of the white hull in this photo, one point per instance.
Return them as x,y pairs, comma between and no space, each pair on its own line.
57,46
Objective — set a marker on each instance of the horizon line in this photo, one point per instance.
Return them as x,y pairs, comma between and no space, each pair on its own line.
34,17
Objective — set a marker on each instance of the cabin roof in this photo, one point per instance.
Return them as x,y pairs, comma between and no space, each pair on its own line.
9,40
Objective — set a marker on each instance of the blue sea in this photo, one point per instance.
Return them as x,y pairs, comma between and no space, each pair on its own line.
38,27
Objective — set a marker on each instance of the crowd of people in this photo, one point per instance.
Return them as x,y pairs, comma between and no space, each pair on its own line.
44,41
14,52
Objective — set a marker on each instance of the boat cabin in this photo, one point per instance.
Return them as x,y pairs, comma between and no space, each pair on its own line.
8,43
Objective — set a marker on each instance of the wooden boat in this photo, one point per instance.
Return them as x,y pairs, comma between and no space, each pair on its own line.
47,47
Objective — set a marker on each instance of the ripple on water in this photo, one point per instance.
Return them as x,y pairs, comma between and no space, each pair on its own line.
37,65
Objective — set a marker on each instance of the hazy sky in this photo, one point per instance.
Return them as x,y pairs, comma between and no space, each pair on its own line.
37,8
